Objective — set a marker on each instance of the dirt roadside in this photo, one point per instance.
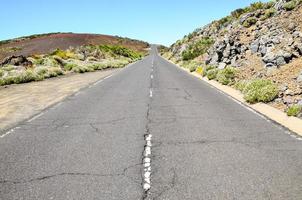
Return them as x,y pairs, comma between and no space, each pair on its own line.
20,102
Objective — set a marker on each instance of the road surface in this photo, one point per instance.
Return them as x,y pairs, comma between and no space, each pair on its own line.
204,145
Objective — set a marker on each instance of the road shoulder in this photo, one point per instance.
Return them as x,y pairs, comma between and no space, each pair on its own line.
23,101
293,124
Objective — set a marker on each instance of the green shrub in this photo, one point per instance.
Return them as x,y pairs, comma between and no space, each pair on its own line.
69,66
206,69
192,67
257,6
212,73
260,90
249,22
294,110
224,21
54,72
198,48
1,72
226,76
240,85
41,71
268,13
7,80
269,4
116,50
27,76
60,53
290,5
237,13
8,68
80,69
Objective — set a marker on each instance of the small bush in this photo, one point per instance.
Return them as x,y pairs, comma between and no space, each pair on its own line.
80,69
60,53
294,110
237,13
199,70
28,76
249,22
54,72
290,5
192,68
8,68
206,69
41,71
226,76
211,74
269,4
260,90
69,66
1,72
240,85
257,6
198,48
268,13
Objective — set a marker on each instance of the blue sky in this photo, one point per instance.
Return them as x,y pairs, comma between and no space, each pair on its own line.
155,21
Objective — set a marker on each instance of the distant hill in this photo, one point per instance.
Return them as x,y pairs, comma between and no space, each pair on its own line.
46,43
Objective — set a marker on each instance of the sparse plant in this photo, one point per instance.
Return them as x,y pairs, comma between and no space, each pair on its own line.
55,71
240,85
260,90
257,6
197,48
212,73
69,66
1,72
206,69
226,76
249,22
268,13
294,110
60,53
290,5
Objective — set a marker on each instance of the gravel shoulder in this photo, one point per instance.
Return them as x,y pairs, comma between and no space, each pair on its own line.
20,102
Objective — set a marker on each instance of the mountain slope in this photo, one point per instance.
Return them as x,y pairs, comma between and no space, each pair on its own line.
46,43
262,41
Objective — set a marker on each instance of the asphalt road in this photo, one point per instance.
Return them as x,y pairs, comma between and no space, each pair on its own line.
204,145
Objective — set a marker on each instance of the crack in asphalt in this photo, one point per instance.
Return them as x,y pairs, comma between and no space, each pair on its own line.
72,174
146,154
170,186
96,129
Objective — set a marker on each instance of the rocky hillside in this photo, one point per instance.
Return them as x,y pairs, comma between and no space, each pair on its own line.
46,43
262,41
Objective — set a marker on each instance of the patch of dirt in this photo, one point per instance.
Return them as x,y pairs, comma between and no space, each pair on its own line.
19,102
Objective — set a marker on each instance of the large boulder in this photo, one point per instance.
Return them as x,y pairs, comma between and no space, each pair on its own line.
278,59
17,61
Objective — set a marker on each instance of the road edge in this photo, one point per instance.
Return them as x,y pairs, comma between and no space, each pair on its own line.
9,129
293,124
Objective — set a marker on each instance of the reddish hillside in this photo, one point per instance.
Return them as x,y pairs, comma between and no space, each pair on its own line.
41,44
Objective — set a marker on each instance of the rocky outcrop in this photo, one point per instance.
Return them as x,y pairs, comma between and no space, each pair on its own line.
17,61
274,37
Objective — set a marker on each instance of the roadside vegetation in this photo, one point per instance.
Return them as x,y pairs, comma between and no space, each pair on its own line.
294,110
214,52
59,62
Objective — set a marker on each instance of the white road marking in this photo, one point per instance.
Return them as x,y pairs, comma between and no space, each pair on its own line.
9,132
151,76
147,163
151,93
107,76
35,117
98,82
